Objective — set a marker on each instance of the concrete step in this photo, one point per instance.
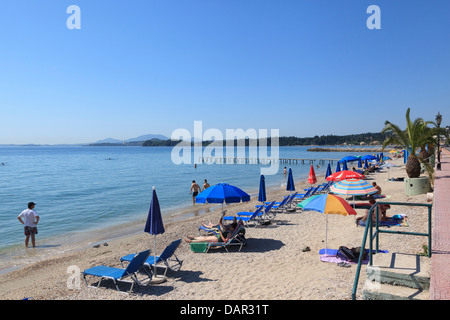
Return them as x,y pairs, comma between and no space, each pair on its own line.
381,291
400,269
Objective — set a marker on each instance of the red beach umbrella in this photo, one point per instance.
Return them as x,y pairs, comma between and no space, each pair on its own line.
344,175
312,176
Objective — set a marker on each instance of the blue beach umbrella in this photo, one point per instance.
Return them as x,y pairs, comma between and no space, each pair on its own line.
154,224
338,167
359,163
222,192
348,159
290,181
366,164
262,189
368,157
328,171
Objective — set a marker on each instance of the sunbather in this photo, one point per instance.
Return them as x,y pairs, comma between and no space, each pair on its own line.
221,226
382,208
220,236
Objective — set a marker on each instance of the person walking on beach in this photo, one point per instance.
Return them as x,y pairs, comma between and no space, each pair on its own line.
195,188
205,185
29,218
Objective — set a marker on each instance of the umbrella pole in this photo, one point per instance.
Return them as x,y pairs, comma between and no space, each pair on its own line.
155,279
326,234
154,255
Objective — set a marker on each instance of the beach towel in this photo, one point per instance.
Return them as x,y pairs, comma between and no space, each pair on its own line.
396,220
331,256
199,246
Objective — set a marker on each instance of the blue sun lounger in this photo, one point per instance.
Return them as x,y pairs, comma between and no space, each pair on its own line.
173,264
257,217
118,274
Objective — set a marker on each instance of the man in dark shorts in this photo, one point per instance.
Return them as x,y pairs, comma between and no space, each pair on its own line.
29,218
195,189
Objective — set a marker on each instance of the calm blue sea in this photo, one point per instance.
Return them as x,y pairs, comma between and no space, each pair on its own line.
80,188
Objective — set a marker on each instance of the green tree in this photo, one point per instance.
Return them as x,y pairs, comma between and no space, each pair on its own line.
416,135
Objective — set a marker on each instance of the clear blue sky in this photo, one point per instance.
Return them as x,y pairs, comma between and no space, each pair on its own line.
305,67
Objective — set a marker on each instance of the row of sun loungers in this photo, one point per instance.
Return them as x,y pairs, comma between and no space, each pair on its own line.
263,214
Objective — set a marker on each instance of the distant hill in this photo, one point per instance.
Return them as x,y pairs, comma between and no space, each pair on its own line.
109,140
132,141
148,137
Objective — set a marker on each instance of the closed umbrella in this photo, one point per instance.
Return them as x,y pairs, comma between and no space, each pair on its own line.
262,189
154,224
359,163
328,171
338,167
366,164
290,181
328,204
344,166
312,176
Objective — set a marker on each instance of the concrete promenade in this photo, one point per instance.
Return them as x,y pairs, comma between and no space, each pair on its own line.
440,259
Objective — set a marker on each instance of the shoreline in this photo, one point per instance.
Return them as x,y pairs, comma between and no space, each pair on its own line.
271,266
17,256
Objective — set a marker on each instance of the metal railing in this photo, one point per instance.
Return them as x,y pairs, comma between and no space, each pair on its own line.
369,229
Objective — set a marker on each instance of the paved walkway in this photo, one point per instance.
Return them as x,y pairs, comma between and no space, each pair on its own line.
440,258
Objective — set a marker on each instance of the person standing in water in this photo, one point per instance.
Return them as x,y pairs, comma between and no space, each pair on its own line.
29,218
195,189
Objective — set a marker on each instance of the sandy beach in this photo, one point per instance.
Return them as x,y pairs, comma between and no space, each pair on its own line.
272,265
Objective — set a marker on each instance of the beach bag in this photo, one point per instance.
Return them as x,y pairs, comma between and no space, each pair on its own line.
357,252
347,254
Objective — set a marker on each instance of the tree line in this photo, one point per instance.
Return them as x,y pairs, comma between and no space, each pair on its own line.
352,139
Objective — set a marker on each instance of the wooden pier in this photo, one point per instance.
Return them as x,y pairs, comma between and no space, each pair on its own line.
246,160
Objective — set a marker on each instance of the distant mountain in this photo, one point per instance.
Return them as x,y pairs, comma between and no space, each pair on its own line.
131,141
148,137
109,140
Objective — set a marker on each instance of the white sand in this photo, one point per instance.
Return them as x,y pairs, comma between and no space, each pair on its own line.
271,265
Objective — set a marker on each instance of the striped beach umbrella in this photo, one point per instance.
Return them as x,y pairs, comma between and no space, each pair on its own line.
353,187
327,204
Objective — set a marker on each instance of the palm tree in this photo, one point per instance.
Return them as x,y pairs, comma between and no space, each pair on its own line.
416,135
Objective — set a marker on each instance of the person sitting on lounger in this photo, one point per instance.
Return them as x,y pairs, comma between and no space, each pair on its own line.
221,236
221,226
